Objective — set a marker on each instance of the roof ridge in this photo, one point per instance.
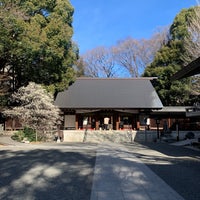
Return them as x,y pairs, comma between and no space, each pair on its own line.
116,78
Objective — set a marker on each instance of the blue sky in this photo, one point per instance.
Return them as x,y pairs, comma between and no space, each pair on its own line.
104,22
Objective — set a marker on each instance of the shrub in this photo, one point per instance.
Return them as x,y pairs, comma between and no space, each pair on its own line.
189,135
19,136
27,133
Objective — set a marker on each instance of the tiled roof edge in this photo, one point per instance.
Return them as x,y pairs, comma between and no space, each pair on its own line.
98,78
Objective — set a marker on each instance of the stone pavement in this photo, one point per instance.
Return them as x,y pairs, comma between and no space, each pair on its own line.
119,175
46,171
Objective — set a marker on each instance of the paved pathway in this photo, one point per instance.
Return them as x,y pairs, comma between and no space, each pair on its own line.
119,172
119,175
178,166
6,140
46,171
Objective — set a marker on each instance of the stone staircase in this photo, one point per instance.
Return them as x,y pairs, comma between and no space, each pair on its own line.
109,136
98,136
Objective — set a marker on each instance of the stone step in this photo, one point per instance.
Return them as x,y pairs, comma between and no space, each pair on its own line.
109,136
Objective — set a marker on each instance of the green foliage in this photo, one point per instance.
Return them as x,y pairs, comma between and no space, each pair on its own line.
178,29
68,77
18,136
3,101
28,134
168,61
36,41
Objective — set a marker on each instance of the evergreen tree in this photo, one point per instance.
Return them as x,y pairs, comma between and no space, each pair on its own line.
168,60
35,42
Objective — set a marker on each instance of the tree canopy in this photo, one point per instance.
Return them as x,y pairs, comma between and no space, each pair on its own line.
192,40
169,59
36,43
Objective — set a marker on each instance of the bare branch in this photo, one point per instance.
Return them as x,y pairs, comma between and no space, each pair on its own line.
192,41
134,55
99,62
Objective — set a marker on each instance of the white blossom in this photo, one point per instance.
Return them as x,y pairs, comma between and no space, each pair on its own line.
35,108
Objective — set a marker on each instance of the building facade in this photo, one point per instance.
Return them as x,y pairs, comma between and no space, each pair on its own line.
108,103
117,104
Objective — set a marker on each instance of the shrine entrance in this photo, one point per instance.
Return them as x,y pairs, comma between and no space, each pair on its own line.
107,120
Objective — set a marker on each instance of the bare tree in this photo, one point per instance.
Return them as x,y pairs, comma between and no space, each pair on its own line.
130,55
192,48
134,55
192,41
99,62
126,55
160,37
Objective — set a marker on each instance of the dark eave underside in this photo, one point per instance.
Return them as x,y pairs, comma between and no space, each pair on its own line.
190,70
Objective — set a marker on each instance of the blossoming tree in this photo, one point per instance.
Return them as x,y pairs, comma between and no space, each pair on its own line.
34,107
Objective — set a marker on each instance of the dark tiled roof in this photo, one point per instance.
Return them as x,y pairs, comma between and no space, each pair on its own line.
109,93
172,109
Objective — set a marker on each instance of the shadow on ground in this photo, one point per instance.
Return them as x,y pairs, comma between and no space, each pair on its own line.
46,174
178,166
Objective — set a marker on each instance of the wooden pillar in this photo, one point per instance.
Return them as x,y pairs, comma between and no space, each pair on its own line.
169,122
97,124
117,122
137,123
89,122
76,122
13,124
111,121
